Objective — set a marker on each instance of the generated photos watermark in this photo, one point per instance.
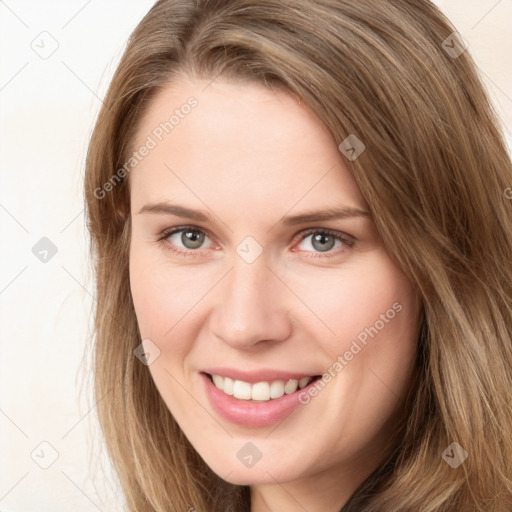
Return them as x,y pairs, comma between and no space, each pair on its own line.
152,140
357,345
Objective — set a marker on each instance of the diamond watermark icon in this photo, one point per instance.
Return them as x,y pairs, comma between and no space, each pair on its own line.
45,45
147,352
249,249
454,455
351,147
249,454
44,455
44,250
454,45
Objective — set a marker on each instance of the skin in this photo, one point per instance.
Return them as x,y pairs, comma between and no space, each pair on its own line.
249,156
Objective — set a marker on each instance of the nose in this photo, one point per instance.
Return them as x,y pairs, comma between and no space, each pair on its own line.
252,307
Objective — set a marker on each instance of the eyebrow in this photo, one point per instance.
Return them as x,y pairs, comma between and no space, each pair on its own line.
290,220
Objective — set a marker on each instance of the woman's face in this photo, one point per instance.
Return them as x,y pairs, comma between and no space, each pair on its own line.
262,283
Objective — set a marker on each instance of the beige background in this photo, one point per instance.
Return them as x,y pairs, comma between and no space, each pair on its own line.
47,110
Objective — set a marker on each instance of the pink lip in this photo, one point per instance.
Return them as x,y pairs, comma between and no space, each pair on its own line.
247,413
267,375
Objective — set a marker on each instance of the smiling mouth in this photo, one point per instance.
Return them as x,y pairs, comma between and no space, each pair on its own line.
260,391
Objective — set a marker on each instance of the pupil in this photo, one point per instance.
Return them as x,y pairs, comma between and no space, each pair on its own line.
192,239
321,238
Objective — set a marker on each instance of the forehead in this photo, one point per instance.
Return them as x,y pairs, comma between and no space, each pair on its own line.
238,142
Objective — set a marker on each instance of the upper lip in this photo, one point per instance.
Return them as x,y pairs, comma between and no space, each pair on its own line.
263,375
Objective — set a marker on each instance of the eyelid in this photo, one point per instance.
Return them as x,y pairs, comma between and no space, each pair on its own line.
344,237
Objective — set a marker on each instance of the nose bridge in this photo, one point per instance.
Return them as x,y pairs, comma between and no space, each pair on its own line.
248,284
251,308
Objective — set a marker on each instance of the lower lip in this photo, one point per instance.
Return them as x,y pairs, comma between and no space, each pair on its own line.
251,414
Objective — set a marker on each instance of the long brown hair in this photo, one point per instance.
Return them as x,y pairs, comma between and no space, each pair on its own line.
434,173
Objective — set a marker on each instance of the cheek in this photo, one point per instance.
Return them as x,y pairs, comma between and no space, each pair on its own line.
358,300
164,299
373,311
162,294
151,300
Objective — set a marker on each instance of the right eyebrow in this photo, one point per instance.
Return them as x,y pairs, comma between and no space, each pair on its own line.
174,209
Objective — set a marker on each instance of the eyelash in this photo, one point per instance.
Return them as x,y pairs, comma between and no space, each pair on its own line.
347,242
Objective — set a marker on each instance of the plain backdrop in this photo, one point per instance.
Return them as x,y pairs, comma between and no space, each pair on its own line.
57,59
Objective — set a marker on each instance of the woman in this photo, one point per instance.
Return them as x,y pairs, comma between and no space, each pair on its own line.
302,241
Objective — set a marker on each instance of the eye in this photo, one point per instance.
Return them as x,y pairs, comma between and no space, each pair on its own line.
183,240
322,241
189,240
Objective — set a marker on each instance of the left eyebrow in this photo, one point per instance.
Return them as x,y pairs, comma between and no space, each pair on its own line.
331,214
290,220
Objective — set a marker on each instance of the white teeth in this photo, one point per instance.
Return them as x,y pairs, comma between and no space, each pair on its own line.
277,389
260,391
228,386
304,382
218,381
242,390
291,386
